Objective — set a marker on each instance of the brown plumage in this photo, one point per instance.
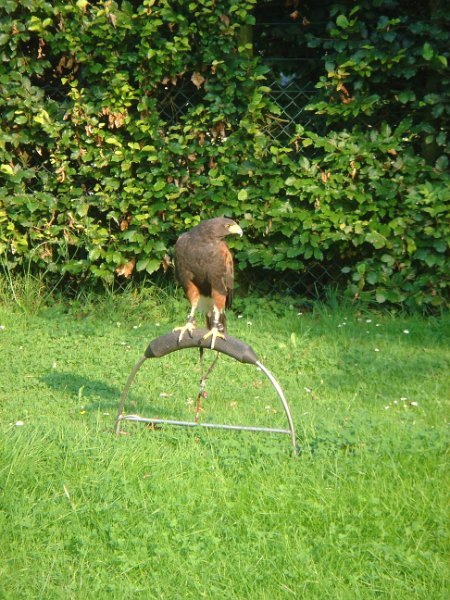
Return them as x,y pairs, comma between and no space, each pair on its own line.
204,267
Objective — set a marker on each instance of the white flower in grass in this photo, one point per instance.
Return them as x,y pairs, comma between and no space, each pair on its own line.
249,323
406,331
307,390
240,316
19,423
376,350
387,407
413,403
2,327
368,320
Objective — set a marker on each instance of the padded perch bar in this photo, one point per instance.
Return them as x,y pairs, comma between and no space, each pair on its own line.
230,346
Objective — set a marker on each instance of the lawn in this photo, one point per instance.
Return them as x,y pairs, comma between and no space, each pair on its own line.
181,513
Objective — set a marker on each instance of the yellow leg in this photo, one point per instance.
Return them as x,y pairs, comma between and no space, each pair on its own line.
214,333
189,327
190,323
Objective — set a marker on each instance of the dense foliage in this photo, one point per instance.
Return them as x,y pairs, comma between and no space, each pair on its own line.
98,180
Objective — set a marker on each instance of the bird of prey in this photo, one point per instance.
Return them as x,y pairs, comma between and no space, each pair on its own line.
204,267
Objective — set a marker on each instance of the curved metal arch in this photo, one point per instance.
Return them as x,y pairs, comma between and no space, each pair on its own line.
230,346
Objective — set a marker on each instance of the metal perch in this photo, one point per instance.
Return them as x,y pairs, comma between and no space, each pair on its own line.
230,346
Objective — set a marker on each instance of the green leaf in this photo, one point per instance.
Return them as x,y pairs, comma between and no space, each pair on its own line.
406,96
342,21
114,141
159,185
427,51
242,195
7,169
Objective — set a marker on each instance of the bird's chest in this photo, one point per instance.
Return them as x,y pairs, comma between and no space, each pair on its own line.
205,260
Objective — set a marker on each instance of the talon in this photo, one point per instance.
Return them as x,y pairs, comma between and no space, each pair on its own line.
189,327
214,333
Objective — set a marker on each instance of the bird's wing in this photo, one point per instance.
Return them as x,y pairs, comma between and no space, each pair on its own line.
228,273
183,271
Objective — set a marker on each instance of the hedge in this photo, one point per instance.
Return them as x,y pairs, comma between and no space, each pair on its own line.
97,182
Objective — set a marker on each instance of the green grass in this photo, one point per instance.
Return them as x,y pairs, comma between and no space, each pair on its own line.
177,513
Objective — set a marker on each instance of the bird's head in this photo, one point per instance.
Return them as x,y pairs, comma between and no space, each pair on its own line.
221,227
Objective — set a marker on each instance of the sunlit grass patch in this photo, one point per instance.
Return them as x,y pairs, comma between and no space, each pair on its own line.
179,513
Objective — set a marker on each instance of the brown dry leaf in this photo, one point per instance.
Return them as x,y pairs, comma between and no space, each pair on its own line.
113,19
166,262
392,152
225,19
218,131
295,15
124,224
197,79
323,176
45,252
61,174
127,269
40,49
192,157
119,119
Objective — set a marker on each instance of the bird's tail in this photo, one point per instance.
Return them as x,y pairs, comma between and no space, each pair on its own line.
222,321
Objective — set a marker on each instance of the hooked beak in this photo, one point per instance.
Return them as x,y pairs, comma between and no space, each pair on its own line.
236,229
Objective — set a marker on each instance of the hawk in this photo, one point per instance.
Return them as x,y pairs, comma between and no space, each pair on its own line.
204,267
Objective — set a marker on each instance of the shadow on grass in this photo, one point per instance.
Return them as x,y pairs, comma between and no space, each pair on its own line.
102,395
